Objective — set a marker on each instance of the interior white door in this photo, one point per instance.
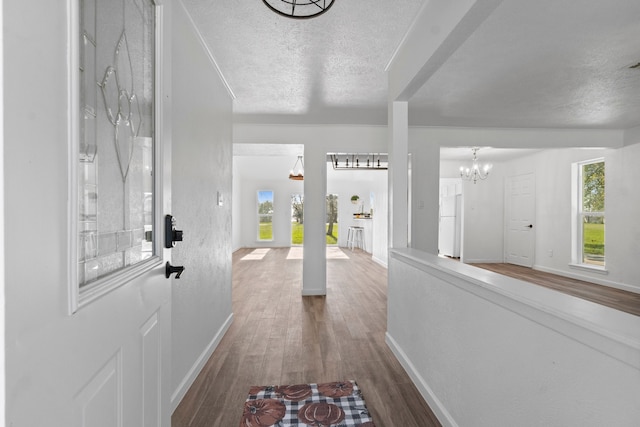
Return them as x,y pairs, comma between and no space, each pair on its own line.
106,360
520,215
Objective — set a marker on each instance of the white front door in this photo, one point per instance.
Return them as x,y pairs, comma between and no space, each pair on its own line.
520,214
88,305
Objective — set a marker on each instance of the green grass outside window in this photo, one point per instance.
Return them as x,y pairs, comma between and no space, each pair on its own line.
297,234
593,239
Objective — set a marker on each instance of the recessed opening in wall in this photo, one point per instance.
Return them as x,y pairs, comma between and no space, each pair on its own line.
256,168
357,197
467,221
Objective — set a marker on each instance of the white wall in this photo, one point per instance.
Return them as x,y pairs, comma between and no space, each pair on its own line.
483,213
202,167
553,212
380,220
487,350
236,207
425,189
2,282
622,238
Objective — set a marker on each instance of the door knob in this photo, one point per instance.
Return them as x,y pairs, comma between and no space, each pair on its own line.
530,226
170,269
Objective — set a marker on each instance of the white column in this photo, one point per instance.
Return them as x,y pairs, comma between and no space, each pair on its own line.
440,28
398,177
314,264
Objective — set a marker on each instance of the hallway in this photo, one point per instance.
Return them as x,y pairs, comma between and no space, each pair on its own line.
278,337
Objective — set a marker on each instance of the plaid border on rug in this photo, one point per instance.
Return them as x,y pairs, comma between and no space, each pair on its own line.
336,404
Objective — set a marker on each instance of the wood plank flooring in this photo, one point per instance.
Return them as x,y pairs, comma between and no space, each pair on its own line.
619,299
280,337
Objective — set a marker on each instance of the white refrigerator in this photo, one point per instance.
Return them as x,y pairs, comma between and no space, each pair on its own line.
450,225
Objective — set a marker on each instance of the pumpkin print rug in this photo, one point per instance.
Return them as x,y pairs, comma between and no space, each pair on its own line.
336,404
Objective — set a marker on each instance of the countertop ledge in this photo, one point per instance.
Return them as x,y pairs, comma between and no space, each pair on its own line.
610,331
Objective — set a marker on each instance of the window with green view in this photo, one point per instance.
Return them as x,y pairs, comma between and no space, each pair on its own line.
297,219
265,215
591,217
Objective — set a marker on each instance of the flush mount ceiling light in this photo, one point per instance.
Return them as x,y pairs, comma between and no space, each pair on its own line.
299,9
475,172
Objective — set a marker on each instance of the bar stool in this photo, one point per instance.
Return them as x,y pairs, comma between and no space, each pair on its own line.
355,237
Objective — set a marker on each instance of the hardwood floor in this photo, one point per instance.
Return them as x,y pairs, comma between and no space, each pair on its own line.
628,302
279,337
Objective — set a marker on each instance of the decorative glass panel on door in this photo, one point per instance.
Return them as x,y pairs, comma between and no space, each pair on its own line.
116,137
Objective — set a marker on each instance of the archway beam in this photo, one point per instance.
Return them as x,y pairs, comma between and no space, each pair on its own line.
440,28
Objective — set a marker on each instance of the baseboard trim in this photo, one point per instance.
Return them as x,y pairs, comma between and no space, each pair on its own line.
429,396
188,380
381,262
586,278
482,261
313,292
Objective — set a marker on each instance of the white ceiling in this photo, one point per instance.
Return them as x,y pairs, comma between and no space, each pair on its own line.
543,63
268,150
485,154
328,69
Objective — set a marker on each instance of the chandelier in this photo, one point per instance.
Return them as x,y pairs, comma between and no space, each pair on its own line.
475,172
299,176
299,9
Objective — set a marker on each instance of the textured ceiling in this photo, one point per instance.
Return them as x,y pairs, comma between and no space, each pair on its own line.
328,69
544,63
488,154
268,150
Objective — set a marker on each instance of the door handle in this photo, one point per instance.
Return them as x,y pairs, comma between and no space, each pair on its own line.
530,226
170,269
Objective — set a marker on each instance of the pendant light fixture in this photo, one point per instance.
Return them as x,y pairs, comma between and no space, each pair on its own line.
351,161
297,174
299,9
